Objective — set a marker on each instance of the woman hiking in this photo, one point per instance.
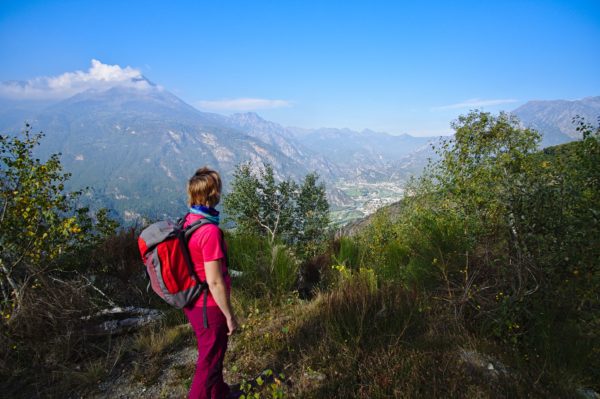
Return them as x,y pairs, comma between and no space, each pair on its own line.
207,250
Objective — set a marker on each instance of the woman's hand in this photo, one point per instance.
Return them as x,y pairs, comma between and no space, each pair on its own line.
232,324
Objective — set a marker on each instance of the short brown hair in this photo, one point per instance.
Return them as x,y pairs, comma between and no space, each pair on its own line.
204,188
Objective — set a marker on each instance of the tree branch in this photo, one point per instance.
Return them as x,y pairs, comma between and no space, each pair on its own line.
6,272
266,227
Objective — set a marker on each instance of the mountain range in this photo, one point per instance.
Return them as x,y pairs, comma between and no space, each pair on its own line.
554,119
136,148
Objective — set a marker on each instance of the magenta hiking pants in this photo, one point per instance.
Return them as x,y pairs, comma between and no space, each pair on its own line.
212,343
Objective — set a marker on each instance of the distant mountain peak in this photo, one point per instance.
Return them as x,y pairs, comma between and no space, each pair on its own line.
142,78
248,117
99,76
591,99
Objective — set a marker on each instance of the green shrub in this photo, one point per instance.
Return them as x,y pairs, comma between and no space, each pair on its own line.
508,236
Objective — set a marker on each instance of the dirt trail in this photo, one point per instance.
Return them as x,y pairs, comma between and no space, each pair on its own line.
172,382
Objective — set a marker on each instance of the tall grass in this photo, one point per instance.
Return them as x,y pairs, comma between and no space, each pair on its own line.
267,269
283,270
349,253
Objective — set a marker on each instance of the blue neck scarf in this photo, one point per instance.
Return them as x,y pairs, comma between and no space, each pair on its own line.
209,213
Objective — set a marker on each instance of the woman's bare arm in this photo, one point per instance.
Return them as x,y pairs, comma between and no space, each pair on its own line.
218,289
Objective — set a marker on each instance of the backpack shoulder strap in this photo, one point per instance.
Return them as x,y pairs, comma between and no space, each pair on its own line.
189,230
183,235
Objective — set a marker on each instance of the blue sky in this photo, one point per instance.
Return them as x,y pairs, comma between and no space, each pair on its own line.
400,67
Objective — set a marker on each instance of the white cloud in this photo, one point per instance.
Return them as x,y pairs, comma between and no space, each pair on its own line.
476,103
243,104
99,76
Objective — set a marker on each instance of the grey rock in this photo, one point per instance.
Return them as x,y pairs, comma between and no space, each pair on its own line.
587,393
483,363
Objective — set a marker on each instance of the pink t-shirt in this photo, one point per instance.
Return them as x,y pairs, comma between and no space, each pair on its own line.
205,246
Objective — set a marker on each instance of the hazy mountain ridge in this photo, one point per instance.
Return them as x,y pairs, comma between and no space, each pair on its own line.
283,139
137,147
554,119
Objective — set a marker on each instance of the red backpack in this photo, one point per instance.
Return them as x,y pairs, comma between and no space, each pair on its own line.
164,249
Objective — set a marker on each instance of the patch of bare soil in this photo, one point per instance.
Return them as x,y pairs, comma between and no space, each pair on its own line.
172,383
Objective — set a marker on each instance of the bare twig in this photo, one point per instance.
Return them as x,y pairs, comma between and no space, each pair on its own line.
9,279
4,290
4,208
110,301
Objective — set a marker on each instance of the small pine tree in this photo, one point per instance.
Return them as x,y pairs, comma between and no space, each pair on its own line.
312,217
281,211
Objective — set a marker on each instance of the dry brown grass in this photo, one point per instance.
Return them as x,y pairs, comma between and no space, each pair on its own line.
48,348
